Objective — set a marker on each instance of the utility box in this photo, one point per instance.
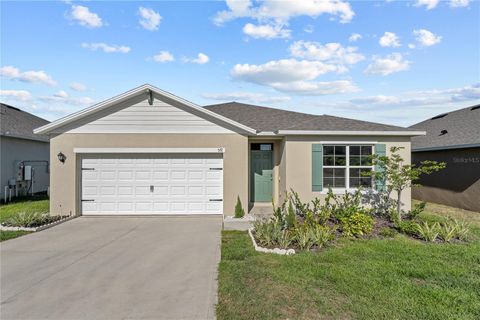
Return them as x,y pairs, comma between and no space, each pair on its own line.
27,173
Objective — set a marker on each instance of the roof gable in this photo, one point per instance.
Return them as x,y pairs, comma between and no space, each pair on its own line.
142,117
131,98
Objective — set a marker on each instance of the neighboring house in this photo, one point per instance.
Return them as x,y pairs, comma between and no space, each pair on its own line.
454,138
24,155
147,151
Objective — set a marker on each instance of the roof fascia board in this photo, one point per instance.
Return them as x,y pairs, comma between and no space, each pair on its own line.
458,146
350,133
170,98
37,139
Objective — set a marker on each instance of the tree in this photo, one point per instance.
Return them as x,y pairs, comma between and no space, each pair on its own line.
393,176
239,212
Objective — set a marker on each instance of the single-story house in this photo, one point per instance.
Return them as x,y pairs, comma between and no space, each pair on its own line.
454,138
25,156
148,151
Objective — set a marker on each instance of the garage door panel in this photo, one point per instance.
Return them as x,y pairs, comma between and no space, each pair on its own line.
153,184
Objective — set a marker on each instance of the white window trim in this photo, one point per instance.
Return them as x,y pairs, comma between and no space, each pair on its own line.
347,167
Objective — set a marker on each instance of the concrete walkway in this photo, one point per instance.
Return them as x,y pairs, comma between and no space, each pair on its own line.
113,268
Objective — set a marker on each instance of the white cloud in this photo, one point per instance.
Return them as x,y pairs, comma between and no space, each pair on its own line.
21,95
313,88
85,17
200,59
149,19
250,97
77,86
61,94
106,47
163,56
411,46
13,73
329,52
354,37
62,97
293,76
424,98
380,99
309,28
459,3
429,4
266,31
426,38
285,70
404,108
388,65
389,39
282,11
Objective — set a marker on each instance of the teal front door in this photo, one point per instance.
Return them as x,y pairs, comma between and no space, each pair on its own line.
261,178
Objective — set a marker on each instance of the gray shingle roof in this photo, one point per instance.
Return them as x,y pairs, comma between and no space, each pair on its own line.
270,119
462,126
20,124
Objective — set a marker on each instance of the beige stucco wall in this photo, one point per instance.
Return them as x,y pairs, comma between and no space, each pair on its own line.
298,162
65,178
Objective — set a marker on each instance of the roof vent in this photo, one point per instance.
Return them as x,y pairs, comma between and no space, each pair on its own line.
443,132
439,116
475,107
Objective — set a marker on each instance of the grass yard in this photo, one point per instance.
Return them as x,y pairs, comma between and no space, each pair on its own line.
9,210
398,278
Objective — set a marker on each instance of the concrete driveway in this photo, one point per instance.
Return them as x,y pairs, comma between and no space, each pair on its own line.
113,268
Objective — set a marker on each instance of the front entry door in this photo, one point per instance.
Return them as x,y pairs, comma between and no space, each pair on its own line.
261,168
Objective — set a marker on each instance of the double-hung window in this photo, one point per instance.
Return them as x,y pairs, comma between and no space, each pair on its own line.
345,166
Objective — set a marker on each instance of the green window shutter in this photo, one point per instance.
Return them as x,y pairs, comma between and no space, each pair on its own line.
381,151
317,167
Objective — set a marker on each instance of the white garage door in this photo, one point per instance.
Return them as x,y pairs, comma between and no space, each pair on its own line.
156,184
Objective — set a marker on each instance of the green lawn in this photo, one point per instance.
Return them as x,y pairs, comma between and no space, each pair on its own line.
8,210
398,278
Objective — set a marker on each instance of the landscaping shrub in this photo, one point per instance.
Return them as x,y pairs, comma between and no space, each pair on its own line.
314,224
239,212
28,219
407,227
358,224
417,209
321,235
346,205
428,232
303,237
286,239
453,229
447,231
462,230
387,232
268,232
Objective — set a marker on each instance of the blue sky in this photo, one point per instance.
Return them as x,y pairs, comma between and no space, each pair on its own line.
396,62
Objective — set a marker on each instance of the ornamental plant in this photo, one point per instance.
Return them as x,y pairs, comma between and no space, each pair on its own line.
394,176
239,211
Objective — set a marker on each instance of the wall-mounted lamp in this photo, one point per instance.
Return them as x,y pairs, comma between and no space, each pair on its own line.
61,157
